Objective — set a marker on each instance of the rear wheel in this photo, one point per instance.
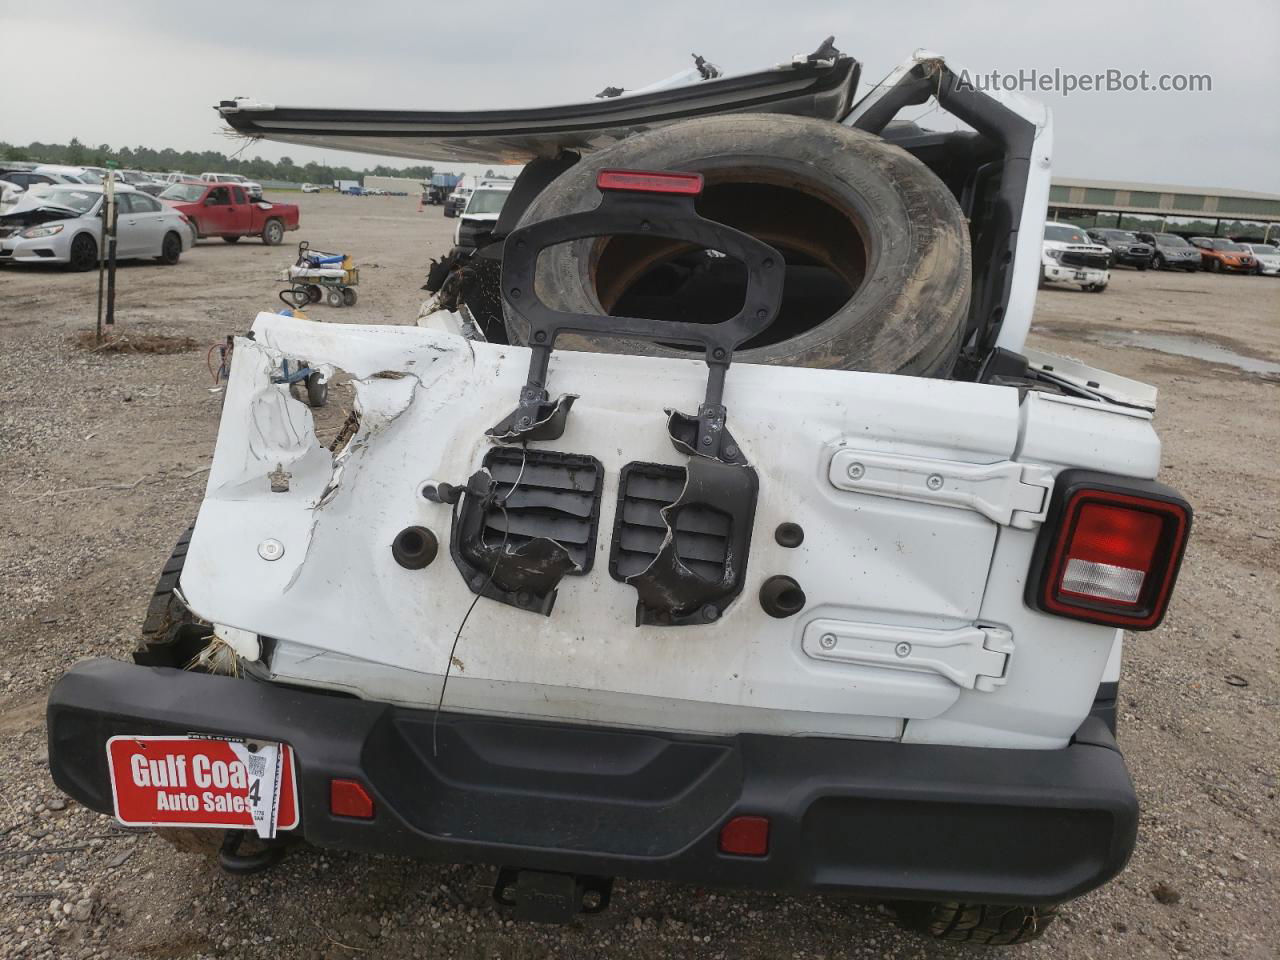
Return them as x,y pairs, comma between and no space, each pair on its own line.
171,249
172,636
272,233
982,923
314,293
84,253
334,297
348,297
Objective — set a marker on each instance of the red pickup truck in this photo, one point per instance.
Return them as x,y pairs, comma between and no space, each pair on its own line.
226,210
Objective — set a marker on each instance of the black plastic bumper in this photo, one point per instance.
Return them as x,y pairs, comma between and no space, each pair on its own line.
871,818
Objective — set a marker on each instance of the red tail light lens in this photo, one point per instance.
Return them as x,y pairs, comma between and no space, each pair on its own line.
1110,550
348,798
650,181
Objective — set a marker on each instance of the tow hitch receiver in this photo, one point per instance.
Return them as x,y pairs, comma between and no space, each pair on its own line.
551,897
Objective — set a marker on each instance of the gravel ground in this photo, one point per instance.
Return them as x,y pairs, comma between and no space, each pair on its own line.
101,467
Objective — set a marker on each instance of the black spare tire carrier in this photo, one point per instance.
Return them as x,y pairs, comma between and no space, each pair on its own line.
718,477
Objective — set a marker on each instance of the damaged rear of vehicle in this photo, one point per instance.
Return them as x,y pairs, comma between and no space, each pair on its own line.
712,525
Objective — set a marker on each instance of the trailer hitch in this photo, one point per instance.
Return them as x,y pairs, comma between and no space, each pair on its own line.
551,897
233,861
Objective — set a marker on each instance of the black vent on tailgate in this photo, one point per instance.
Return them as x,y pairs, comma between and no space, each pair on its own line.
558,496
702,533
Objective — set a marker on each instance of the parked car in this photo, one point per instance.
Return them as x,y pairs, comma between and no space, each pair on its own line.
310,188
62,224
1171,251
66,174
1069,256
481,213
1125,247
1266,258
254,188
456,202
14,182
1218,253
838,611
226,210
139,180
175,176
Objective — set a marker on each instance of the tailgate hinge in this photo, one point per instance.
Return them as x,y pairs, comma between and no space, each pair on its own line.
974,657
1009,493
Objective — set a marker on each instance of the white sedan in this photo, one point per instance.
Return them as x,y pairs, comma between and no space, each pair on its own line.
1267,258
62,224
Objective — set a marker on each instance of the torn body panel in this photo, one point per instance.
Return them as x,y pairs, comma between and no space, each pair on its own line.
342,613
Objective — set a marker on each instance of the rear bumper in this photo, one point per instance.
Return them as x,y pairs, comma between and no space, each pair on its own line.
877,819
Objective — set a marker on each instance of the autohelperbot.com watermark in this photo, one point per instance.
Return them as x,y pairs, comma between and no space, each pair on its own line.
1067,82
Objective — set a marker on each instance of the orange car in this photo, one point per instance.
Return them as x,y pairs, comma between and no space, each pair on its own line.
1218,254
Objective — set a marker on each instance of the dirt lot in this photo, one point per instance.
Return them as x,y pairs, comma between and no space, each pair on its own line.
101,467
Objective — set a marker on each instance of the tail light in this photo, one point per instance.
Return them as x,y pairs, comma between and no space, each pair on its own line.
650,181
1109,550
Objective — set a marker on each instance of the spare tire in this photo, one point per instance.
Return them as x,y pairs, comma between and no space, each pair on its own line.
877,250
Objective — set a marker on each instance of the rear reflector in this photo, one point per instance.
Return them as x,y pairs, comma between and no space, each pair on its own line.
348,798
745,836
1110,550
648,181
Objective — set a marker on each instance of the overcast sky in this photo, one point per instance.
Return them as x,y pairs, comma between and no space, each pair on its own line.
147,72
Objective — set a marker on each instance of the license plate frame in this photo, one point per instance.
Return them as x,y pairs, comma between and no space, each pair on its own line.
202,795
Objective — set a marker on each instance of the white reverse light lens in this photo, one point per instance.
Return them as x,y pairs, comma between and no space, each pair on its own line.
1102,580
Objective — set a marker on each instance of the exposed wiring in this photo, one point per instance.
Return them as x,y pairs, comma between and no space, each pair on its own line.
224,361
501,503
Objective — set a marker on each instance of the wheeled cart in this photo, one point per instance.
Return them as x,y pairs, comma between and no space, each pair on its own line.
317,275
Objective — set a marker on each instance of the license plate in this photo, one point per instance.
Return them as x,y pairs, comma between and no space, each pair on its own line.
1080,274
195,781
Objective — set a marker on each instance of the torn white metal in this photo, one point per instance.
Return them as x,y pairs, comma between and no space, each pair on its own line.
344,615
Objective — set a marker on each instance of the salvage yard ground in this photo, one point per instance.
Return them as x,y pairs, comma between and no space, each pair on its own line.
102,460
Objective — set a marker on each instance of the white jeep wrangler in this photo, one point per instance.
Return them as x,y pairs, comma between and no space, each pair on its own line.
735,540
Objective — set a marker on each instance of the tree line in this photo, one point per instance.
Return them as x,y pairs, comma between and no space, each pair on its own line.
196,162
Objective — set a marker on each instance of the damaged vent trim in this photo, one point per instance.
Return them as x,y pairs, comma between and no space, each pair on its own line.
685,556
540,523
